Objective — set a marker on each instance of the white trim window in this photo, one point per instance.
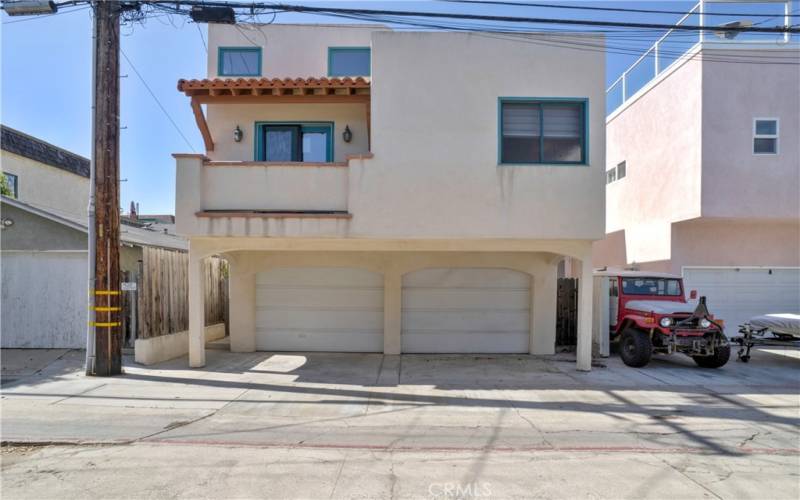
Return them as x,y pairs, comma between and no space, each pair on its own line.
611,175
621,170
765,136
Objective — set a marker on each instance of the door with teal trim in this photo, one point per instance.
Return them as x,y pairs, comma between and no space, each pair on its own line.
281,143
296,142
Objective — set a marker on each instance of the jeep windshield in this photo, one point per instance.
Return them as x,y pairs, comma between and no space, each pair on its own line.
651,286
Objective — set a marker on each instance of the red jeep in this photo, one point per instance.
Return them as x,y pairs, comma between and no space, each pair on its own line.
649,313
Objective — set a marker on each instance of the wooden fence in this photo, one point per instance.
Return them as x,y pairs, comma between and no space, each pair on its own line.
163,292
567,312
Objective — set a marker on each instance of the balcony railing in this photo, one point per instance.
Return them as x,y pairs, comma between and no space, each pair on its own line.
676,44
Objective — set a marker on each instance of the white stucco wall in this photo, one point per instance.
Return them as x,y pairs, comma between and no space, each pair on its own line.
434,122
46,187
435,139
288,50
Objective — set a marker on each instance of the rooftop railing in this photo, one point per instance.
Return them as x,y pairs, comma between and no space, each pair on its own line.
678,44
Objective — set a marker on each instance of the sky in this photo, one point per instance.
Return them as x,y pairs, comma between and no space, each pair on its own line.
45,84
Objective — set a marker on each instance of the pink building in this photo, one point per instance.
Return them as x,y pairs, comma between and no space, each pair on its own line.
703,170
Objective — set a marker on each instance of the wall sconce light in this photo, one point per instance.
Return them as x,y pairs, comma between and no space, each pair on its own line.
237,134
347,135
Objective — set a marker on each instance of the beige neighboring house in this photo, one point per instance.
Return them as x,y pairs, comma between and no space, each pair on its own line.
703,174
393,192
43,245
43,175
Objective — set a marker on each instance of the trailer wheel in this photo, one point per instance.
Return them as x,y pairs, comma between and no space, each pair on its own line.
719,358
635,348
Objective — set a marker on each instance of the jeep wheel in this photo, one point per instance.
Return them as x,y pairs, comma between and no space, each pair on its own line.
635,348
719,358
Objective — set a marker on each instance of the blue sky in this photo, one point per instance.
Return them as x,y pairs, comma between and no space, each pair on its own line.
46,81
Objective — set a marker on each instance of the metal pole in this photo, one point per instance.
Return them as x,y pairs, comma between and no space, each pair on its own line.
92,240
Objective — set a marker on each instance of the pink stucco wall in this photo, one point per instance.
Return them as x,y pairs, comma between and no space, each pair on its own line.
694,194
732,242
712,242
735,182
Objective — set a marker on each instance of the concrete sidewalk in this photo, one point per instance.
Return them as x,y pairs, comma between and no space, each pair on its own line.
347,425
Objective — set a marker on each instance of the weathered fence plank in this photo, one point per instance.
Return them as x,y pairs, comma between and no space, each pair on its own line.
164,292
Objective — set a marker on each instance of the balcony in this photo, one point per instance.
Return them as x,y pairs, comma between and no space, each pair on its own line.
223,198
684,42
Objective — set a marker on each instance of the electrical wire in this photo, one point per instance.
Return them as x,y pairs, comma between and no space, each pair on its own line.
155,98
481,17
603,9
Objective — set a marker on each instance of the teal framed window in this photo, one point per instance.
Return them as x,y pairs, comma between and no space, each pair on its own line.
544,131
294,142
239,61
349,61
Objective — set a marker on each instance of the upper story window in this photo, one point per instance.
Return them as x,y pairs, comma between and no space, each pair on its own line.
542,131
11,187
294,142
348,61
239,61
765,136
616,173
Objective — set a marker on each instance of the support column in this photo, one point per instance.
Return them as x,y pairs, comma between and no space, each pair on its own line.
242,297
585,303
392,312
543,309
197,311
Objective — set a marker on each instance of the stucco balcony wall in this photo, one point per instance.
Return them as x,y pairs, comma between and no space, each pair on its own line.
271,186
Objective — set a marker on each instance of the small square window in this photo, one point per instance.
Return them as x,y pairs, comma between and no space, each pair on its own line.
239,61
765,136
348,61
12,184
621,170
611,176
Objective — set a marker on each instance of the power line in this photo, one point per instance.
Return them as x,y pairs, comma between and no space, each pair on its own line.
577,44
479,17
605,9
166,113
200,32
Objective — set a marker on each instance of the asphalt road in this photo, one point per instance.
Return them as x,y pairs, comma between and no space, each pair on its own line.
267,425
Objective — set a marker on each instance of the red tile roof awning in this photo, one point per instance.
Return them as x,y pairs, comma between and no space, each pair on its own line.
272,90
275,86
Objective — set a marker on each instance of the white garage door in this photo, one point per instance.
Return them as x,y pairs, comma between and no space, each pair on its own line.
319,309
471,310
44,299
737,294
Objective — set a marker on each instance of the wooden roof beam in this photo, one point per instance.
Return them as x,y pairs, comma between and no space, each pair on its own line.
200,118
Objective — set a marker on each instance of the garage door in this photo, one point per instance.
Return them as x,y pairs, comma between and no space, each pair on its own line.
319,309
471,310
736,295
44,299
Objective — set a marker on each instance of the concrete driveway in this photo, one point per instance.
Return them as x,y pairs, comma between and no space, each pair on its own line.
353,425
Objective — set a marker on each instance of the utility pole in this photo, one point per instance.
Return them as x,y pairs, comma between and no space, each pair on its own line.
105,299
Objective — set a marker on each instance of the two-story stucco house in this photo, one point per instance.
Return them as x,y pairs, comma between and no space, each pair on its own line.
394,192
703,168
